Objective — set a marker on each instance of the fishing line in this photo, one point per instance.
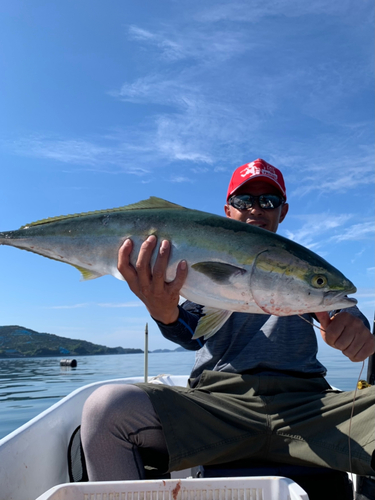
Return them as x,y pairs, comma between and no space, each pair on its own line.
311,323
353,403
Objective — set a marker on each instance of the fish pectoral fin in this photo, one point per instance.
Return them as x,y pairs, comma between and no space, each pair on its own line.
219,272
87,274
211,322
181,300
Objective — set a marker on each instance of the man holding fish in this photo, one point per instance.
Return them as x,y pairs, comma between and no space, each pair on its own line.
257,390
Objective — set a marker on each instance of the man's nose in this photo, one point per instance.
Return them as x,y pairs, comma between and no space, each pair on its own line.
256,207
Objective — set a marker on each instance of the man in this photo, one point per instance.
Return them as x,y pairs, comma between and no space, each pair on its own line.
256,390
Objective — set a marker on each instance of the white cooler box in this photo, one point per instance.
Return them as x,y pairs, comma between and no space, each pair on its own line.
233,488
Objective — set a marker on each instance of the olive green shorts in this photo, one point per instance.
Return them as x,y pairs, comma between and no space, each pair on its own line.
228,417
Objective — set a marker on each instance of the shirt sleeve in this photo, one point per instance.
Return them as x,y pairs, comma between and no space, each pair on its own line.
182,330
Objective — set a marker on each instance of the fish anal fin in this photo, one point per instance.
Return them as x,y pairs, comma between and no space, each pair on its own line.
219,272
86,274
211,322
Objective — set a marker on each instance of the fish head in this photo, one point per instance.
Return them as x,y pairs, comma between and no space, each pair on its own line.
285,282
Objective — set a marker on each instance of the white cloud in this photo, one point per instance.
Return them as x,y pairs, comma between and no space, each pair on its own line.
364,230
156,89
70,306
64,150
170,49
218,111
323,233
240,11
134,303
114,157
193,42
365,292
224,92
181,179
140,34
130,304
339,168
313,232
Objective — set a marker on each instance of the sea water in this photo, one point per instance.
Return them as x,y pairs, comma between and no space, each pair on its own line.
28,386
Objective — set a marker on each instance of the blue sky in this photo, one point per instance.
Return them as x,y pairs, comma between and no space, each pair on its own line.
107,103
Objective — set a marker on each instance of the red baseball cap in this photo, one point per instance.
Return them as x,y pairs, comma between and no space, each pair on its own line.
258,169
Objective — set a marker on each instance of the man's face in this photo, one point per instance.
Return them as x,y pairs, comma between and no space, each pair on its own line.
256,216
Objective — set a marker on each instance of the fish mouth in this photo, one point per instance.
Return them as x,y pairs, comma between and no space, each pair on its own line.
340,299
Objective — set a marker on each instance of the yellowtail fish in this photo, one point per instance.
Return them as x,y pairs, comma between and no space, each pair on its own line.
232,266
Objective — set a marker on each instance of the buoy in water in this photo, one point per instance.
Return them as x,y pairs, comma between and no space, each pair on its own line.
68,362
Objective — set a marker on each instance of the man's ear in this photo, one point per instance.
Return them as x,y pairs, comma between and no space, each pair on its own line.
284,211
227,211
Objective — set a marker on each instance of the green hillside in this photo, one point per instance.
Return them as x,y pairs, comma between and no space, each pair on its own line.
18,342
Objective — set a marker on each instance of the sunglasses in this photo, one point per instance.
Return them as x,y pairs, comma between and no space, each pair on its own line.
246,201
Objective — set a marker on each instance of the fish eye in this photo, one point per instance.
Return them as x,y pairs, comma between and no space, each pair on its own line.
319,281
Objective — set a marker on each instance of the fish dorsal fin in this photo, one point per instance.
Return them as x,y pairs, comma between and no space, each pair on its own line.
151,203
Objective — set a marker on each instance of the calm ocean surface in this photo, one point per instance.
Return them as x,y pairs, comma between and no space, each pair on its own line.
29,386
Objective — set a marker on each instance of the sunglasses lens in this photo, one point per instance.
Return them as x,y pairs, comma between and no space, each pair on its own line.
241,202
246,201
269,201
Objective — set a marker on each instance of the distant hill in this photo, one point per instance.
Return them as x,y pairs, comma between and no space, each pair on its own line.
179,349
19,342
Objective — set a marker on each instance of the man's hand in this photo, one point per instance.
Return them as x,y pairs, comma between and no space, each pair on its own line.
160,298
348,334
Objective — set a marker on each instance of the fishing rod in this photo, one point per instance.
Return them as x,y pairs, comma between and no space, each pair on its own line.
146,353
365,484
371,363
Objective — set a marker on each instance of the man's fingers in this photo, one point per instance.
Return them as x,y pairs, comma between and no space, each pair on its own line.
123,261
149,282
160,267
323,318
367,349
182,271
145,253
325,321
143,264
159,272
348,334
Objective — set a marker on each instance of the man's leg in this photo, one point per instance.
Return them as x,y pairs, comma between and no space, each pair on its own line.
117,420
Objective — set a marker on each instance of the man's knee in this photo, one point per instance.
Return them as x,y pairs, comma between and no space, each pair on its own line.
118,405
110,403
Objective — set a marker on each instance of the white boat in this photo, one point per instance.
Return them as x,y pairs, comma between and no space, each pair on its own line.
34,464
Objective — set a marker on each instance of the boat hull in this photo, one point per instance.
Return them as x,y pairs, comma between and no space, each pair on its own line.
33,458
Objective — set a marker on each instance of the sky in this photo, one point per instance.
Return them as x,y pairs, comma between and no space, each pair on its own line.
104,104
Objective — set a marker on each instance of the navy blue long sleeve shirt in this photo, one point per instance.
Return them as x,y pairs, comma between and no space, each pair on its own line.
251,343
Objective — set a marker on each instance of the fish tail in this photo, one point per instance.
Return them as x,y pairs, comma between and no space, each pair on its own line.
5,236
